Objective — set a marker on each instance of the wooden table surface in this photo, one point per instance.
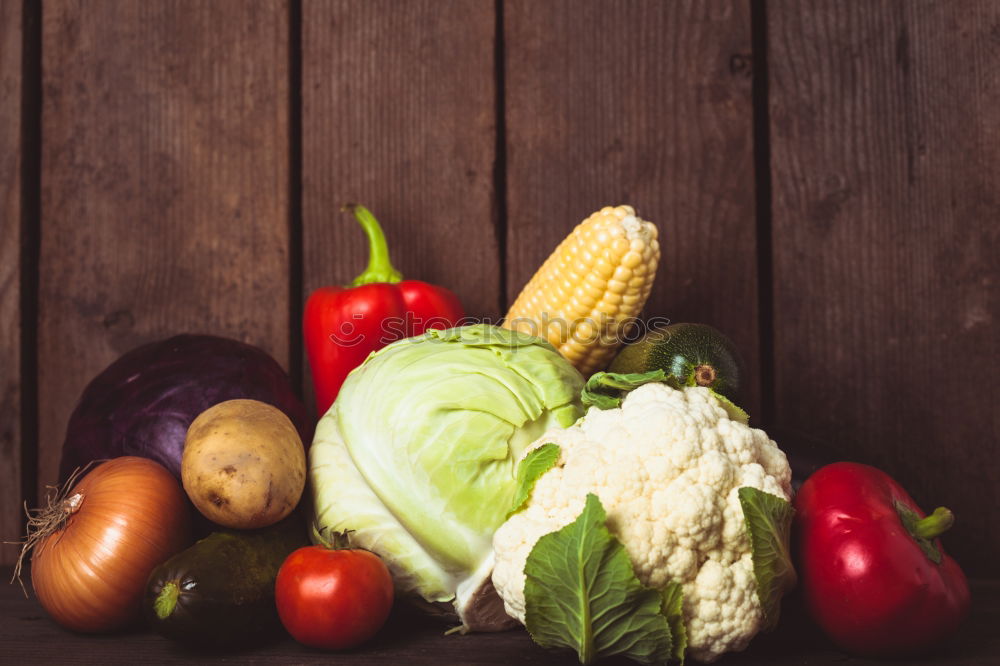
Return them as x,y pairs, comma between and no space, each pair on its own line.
28,636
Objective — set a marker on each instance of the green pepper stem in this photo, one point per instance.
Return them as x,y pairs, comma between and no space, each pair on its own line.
934,525
379,269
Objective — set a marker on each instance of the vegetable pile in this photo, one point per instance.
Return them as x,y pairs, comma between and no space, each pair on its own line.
415,460
115,547
143,403
614,500
678,481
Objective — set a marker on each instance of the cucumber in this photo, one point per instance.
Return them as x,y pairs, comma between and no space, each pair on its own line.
220,591
691,354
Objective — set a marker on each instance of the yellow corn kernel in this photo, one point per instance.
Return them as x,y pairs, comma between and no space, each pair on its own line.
591,288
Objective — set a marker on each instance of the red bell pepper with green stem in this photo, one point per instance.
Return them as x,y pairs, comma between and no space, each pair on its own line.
871,567
343,325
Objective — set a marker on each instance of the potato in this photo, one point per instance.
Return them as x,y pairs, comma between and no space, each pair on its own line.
243,464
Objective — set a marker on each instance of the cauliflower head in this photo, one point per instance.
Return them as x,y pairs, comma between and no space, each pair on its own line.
666,465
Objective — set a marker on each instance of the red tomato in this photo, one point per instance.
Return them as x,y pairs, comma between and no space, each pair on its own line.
333,599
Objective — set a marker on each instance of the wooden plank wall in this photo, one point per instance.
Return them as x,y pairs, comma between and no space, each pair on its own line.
399,105
195,155
885,127
640,103
11,48
398,113
164,185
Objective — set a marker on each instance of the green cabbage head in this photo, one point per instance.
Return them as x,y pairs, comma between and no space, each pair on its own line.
416,459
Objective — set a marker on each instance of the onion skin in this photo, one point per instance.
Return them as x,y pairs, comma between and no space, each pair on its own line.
90,574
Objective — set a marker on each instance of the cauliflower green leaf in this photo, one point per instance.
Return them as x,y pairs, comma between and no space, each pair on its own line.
581,592
735,412
769,521
673,609
537,462
606,390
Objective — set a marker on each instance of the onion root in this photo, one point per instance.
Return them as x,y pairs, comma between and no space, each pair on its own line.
45,521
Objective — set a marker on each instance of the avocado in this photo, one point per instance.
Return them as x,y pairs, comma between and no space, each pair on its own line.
691,354
220,591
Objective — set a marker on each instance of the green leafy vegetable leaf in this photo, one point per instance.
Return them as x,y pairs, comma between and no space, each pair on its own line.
581,592
537,462
605,390
734,411
768,521
673,610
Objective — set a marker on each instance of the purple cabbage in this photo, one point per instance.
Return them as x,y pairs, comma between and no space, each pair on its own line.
143,403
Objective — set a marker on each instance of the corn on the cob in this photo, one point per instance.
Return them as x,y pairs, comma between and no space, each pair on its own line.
588,292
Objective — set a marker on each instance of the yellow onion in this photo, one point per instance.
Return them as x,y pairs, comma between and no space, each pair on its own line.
95,544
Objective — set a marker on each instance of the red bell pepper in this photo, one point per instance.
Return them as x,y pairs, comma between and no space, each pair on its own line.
342,325
872,569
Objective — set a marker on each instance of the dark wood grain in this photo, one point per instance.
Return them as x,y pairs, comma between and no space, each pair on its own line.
885,148
164,185
398,113
11,516
399,108
30,637
646,103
